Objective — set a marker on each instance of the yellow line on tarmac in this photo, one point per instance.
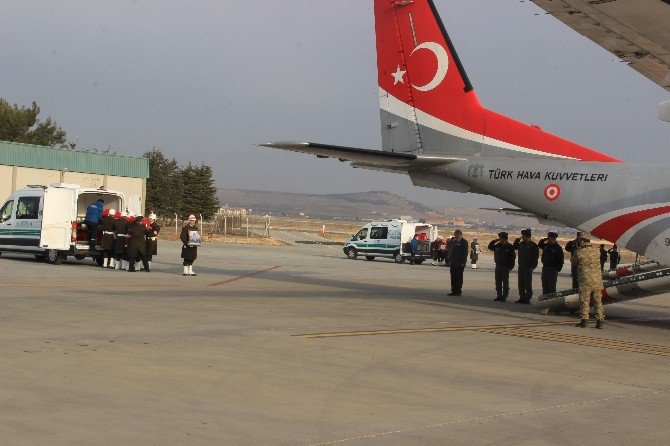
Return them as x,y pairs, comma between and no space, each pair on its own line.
585,342
605,340
429,330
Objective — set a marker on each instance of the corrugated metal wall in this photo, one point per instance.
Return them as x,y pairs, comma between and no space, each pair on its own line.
27,155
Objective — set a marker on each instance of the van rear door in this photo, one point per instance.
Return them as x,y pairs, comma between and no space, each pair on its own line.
134,204
57,216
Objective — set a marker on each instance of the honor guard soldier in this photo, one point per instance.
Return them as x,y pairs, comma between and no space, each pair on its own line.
120,229
505,258
590,283
190,238
528,254
552,262
474,253
152,239
136,241
108,237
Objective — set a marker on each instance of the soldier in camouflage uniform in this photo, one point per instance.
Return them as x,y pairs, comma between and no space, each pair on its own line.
590,282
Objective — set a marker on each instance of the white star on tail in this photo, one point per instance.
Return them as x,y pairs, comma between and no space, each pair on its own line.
398,75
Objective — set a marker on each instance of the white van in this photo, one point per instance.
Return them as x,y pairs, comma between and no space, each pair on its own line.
48,221
391,239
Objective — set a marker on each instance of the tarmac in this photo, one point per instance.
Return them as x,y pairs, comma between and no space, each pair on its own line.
298,345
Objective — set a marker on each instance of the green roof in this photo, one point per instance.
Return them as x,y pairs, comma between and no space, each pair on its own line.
41,157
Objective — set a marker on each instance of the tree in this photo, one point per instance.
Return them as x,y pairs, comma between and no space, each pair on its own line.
164,186
172,189
208,202
199,192
21,124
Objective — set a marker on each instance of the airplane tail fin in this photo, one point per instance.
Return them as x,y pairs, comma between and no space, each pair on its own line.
428,104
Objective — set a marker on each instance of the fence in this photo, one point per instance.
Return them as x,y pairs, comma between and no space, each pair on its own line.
240,226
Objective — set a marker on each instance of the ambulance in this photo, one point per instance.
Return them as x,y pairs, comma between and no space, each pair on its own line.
48,221
391,239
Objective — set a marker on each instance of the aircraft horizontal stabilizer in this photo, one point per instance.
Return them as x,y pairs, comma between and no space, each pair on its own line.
366,158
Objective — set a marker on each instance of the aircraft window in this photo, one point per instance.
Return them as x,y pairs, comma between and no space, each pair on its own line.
362,234
379,233
28,208
6,211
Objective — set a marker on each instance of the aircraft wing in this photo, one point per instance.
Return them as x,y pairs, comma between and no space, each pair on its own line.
366,158
635,31
542,219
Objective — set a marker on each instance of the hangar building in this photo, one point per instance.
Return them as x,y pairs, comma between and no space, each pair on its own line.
24,164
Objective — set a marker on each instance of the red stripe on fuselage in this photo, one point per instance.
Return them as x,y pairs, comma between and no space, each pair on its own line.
614,228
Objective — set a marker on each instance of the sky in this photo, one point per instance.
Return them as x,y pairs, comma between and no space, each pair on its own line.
207,81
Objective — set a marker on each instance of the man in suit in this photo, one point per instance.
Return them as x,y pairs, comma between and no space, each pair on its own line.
458,258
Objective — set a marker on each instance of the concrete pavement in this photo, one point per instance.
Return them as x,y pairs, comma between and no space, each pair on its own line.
299,345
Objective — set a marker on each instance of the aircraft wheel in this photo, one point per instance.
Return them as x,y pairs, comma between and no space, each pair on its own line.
352,254
370,258
54,257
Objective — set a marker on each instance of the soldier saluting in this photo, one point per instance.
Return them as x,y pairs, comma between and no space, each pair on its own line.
505,257
590,283
552,262
572,247
529,254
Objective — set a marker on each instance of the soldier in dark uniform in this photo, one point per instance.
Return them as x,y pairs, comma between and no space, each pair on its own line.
136,240
572,247
603,257
458,258
120,229
108,238
505,257
552,262
528,255
189,250
615,257
152,239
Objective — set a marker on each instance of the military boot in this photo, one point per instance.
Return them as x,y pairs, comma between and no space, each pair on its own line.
582,323
600,323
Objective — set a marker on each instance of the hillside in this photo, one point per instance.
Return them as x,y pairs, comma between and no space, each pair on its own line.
363,205
366,206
